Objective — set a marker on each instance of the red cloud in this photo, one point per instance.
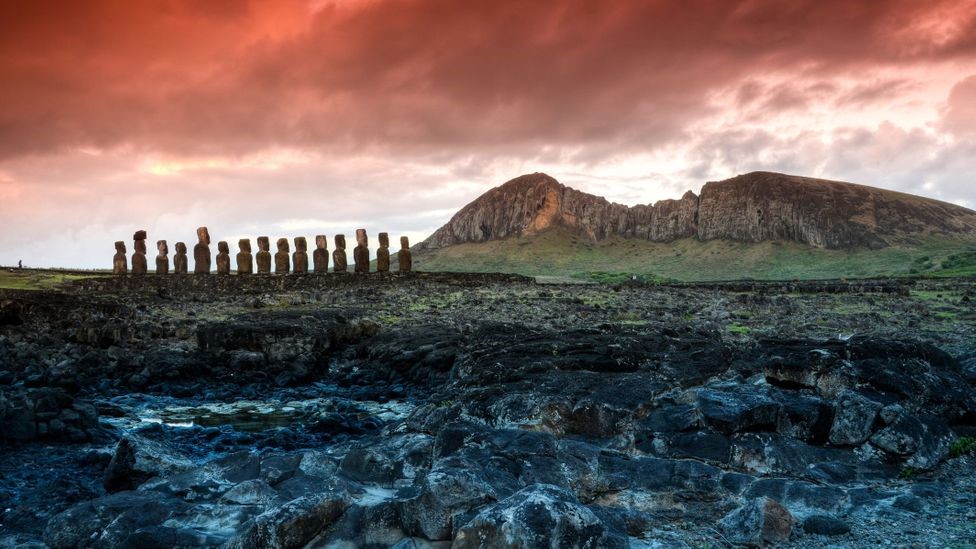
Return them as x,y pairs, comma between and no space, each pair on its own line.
423,76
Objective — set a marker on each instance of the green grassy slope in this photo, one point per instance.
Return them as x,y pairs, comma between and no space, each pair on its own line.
559,253
39,279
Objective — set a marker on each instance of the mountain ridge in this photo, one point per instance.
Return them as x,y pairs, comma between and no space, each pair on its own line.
753,207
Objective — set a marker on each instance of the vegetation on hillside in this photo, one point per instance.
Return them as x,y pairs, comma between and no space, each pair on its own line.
560,253
36,279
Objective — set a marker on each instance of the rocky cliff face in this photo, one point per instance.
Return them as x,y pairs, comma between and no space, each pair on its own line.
753,207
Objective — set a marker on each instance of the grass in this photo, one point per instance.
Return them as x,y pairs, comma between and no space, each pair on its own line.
558,252
962,446
739,329
37,279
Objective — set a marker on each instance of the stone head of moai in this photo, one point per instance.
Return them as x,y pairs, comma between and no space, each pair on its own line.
162,260
320,257
120,264
180,261
383,253
340,241
201,252
140,241
404,257
223,258
282,259
299,259
263,258
360,254
245,261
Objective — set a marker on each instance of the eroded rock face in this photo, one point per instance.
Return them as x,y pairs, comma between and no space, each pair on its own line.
759,523
540,515
511,415
45,413
753,207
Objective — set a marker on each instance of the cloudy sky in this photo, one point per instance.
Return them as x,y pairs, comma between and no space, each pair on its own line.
309,117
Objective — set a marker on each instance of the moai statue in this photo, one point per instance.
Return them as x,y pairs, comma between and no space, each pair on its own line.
300,258
264,255
360,254
339,255
139,266
120,265
404,256
245,261
281,258
179,260
201,252
162,258
223,258
320,257
383,254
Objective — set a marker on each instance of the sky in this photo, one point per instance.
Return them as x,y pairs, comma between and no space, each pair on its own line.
319,117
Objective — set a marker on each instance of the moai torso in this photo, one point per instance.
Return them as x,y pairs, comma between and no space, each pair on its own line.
263,257
281,258
360,254
201,252
300,258
223,258
139,266
320,257
404,256
383,254
339,255
245,261
162,257
179,260
120,264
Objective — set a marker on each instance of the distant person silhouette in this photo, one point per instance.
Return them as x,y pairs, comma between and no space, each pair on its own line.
20,264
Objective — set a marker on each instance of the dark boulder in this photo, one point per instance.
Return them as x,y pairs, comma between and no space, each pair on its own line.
759,522
538,516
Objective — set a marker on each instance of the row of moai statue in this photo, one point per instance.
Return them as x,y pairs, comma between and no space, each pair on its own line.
284,261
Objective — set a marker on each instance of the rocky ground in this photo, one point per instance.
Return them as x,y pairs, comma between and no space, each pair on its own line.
486,411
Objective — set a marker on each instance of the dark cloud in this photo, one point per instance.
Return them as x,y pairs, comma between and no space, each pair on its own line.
417,76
